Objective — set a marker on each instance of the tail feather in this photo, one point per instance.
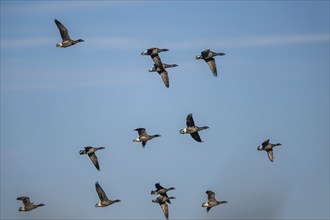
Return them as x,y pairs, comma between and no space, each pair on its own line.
204,127
220,54
170,65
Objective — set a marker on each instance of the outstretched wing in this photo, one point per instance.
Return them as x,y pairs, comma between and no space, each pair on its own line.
265,143
100,192
157,60
164,207
270,155
26,200
196,136
95,161
63,31
212,65
190,121
141,131
210,195
163,73
158,186
205,53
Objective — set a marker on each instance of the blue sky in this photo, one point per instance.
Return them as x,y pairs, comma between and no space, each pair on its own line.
272,83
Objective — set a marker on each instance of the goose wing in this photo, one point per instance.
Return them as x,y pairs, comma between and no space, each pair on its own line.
158,186
26,200
205,53
196,136
190,121
265,143
141,131
210,196
63,31
164,208
212,65
270,155
94,160
157,60
100,192
163,73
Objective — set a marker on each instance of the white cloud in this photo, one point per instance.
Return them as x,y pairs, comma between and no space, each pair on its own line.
254,41
22,43
28,7
134,43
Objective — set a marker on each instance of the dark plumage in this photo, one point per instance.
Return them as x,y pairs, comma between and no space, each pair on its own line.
211,201
192,129
208,55
162,201
153,52
161,191
28,206
66,40
144,137
268,147
162,72
104,201
90,151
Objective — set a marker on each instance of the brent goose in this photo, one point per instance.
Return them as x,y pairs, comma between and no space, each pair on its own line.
153,52
192,129
90,151
28,206
66,40
161,200
104,201
208,55
162,191
143,136
211,201
268,147
162,72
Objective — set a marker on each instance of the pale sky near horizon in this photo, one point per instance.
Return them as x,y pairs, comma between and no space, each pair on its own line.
272,83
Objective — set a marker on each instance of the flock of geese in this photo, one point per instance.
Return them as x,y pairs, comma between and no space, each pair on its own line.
163,199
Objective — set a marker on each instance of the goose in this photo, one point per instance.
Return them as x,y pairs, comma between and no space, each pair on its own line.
66,40
28,206
144,137
192,129
162,72
153,52
208,55
90,151
161,200
268,147
211,201
161,191
104,201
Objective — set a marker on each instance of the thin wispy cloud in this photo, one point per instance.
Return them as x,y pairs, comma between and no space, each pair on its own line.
29,8
255,41
135,43
26,43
